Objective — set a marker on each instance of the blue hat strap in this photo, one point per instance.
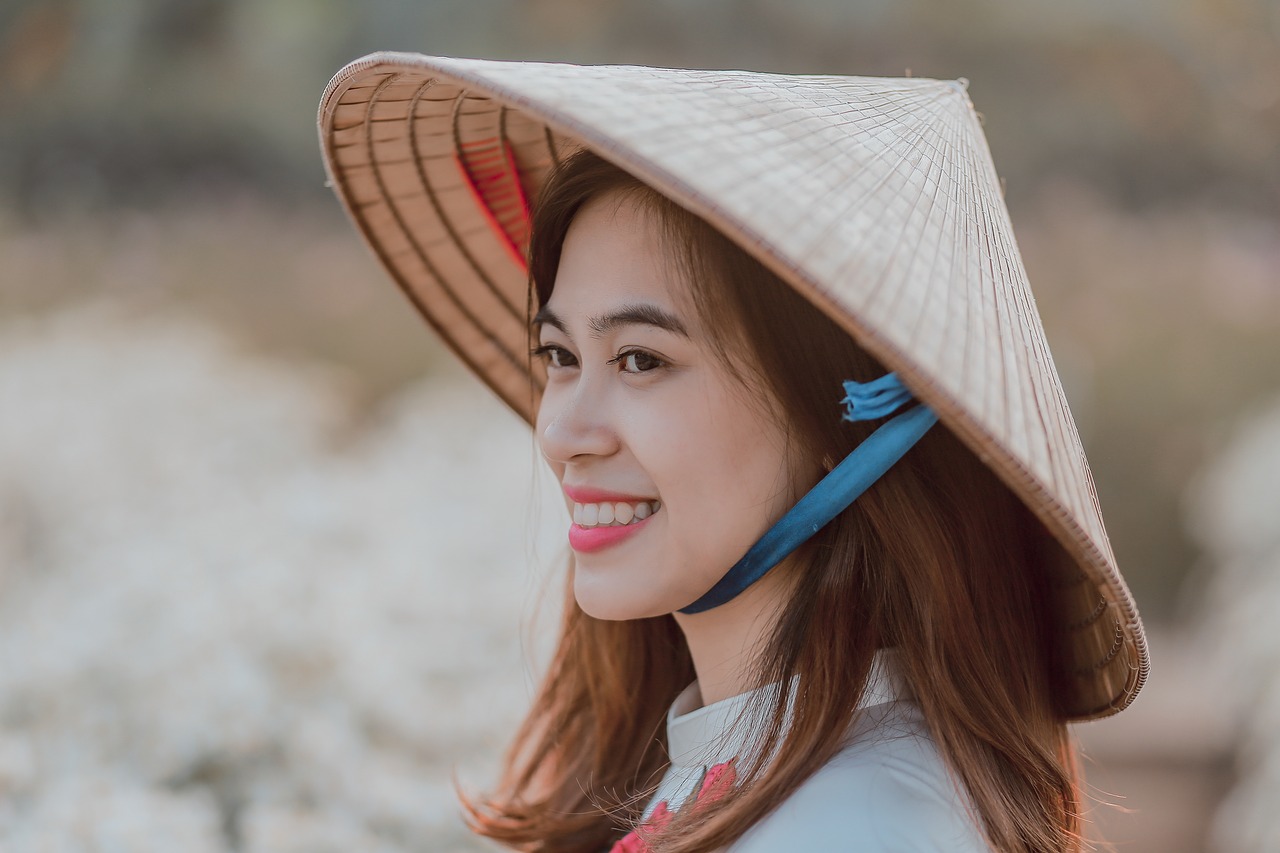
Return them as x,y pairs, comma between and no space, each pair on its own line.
835,492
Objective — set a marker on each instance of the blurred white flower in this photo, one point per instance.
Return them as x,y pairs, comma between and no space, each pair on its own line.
229,618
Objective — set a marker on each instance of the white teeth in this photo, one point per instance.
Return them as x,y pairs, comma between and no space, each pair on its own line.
612,514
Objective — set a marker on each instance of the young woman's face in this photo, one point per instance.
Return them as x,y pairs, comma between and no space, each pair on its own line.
670,467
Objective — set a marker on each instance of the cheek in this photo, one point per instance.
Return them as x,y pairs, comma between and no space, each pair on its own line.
729,481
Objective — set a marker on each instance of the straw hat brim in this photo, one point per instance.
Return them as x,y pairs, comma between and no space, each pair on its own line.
875,198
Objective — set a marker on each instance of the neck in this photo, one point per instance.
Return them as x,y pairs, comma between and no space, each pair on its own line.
724,642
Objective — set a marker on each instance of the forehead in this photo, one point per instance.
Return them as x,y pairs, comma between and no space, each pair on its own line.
615,251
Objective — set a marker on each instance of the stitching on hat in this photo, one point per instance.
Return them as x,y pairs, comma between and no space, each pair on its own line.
551,144
1116,646
1069,580
1093,616
458,242
507,151
399,220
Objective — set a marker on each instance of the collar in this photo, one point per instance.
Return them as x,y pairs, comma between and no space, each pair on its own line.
716,733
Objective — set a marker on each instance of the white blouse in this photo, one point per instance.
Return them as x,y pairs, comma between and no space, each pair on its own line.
887,791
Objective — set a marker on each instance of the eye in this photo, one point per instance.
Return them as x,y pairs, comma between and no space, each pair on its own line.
637,361
554,356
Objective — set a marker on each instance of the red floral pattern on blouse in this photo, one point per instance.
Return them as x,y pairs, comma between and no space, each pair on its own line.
716,782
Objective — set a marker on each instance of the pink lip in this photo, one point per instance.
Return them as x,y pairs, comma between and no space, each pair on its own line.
588,495
585,540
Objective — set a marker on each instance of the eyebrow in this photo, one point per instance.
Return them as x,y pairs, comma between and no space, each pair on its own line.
639,314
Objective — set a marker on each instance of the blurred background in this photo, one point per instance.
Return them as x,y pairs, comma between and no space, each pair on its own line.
265,552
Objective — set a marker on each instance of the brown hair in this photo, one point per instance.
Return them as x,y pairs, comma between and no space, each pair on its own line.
938,558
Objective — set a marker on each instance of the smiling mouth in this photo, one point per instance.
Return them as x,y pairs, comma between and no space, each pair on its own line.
613,513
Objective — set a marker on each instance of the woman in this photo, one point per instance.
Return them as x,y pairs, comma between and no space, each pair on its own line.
786,629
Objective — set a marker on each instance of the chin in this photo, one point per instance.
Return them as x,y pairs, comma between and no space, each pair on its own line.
611,603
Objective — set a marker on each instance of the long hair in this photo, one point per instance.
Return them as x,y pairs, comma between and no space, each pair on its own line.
938,559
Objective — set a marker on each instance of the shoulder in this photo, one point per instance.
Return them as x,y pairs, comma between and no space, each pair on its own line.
889,791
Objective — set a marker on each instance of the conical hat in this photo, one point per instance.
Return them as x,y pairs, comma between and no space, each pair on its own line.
876,198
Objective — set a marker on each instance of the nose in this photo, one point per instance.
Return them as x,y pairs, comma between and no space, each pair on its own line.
573,422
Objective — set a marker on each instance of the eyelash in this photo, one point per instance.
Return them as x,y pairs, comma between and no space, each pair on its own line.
546,351
625,354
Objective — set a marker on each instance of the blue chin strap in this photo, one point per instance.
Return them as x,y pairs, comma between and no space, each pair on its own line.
864,401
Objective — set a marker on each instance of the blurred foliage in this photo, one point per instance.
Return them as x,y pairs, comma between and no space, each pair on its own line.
1139,141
